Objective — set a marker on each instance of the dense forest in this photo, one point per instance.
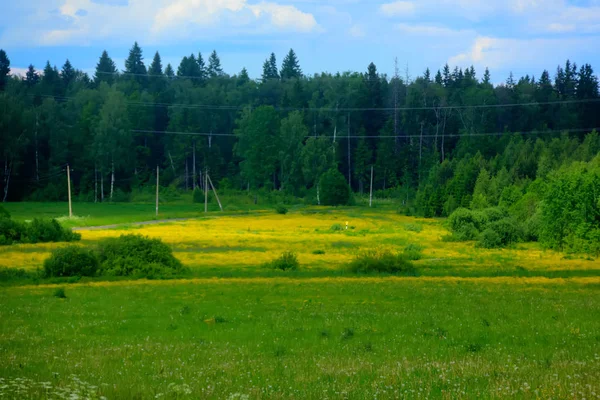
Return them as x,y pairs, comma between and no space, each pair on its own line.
436,142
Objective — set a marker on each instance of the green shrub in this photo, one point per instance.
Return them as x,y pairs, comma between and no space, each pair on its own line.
334,189
11,232
287,261
4,214
336,228
281,209
489,239
382,262
413,227
318,252
504,232
71,261
467,225
413,252
49,230
60,293
198,196
136,255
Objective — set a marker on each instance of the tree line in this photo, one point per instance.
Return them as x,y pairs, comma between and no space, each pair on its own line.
430,139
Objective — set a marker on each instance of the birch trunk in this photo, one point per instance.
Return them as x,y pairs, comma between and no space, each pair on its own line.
112,180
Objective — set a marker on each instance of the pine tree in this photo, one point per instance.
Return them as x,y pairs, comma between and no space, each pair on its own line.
290,68
31,77
447,78
68,73
134,64
106,69
4,69
214,65
427,76
169,73
156,66
201,67
438,78
270,68
243,77
486,77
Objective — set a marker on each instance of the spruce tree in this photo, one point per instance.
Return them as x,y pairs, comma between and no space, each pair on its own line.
68,73
31,77
201,67
106,70
243,77
156,66
214,65
290,68
4,69
169,73
134,64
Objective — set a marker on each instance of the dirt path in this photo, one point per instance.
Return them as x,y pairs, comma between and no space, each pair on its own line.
159,221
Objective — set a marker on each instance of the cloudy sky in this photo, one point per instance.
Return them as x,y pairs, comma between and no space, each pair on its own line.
523,36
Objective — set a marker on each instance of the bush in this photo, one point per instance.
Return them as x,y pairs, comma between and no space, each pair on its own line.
11,232
489,239
413,252
287,261
467,225
71,261
60,293
382,261
281,209
334,189
49,230
4,214
336,228
318,252
501,233
198,196
136,255
413,227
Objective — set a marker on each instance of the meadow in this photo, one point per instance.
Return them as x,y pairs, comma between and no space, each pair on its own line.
519,322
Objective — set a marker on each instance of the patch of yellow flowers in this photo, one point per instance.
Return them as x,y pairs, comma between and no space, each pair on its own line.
249,241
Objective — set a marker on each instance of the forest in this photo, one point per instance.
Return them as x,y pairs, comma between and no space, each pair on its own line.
436,142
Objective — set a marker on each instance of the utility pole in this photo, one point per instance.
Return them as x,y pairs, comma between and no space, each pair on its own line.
371,192
69,188
206,190
215,192
157,186
349,163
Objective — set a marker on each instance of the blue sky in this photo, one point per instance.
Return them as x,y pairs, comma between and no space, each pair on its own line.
523,36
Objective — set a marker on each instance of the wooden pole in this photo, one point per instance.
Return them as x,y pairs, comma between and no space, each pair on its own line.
69,187
371,192
157,186
206,191
214,191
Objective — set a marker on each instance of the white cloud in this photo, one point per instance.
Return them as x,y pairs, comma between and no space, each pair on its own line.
398,8
16,71
81,22
514,53
560,28
357,31
430,30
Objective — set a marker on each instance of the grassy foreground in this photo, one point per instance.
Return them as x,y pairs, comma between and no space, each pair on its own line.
521,322
314,338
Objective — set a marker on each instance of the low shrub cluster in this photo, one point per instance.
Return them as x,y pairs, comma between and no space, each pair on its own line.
288,261
71,261
381,261
127,255
281,209
136,255
490,227
38,231
413,252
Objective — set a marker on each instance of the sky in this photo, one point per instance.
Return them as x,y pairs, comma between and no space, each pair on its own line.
519,36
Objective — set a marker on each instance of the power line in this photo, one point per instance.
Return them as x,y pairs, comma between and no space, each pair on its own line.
536,132
342,109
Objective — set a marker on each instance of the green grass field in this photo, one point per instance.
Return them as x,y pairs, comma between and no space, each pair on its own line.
514,323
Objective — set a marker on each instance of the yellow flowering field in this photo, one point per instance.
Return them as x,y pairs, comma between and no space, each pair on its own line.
322,243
